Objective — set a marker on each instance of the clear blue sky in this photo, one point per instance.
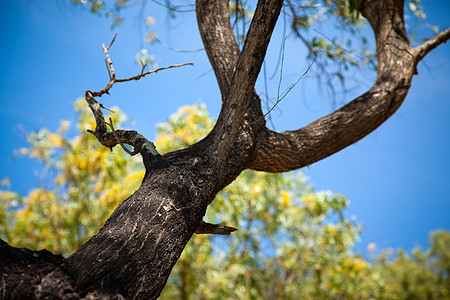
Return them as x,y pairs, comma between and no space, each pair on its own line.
397,178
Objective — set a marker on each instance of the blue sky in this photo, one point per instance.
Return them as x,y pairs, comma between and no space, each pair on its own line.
397,178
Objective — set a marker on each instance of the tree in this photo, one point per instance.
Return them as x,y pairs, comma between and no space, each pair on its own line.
133,253
425,275
292,241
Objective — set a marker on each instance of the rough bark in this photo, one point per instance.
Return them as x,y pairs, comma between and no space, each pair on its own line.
133,254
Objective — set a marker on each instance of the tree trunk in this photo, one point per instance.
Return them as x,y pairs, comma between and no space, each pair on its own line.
133,254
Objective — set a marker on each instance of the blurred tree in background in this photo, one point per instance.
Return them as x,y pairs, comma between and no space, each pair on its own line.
292,242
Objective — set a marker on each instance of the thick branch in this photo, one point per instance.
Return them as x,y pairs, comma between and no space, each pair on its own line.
244,78
290,150
213,19
27,274
223,52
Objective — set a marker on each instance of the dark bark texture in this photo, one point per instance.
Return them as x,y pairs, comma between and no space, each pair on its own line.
132,256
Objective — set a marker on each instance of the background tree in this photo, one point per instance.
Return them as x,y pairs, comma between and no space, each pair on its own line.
133,253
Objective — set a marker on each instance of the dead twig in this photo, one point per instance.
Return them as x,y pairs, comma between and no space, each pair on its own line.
112,73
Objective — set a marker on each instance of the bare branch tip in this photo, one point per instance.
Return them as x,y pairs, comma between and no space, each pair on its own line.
143,66
114,38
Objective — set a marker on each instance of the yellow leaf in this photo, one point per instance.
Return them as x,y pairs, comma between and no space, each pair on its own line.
285,198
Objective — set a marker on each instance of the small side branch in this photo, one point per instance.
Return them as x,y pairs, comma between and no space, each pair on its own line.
208,228
422,50
112,73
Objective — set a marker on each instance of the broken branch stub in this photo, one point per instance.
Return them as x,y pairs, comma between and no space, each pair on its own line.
208,228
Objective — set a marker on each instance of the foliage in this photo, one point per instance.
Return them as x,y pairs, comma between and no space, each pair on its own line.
187,126
425,275
292,242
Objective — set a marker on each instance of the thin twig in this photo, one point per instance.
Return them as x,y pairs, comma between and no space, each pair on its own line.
266,89
112,73
152,71
107,69
110,124
110,44
286,93
143,67
175,8
293,85
108,59
202,75
282,46
281,69
178,50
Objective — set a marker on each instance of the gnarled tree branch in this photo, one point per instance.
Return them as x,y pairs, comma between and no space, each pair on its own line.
290,150
213,19
242,85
